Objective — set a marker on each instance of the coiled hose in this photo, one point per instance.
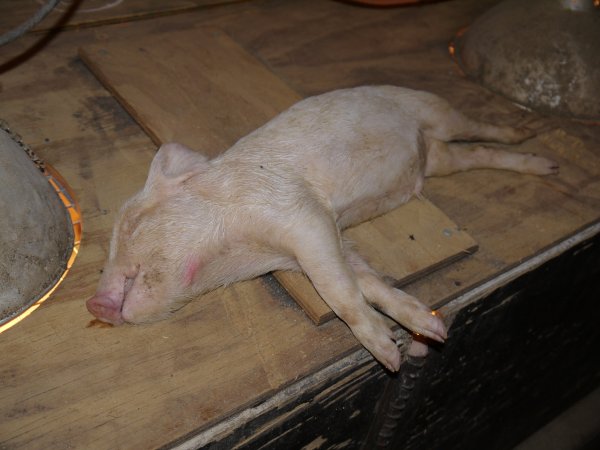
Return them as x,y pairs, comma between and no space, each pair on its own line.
29,23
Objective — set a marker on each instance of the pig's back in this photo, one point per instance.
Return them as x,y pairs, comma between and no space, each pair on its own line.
353,146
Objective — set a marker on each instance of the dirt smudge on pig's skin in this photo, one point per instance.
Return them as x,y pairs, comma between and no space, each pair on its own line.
152,278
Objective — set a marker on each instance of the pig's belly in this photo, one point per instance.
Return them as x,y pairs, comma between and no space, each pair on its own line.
372,181
352,211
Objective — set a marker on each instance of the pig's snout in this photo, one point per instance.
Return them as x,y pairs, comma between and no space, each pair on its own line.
105,309
107,304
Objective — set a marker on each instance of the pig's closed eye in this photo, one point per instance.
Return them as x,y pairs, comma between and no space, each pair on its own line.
130,275
128,284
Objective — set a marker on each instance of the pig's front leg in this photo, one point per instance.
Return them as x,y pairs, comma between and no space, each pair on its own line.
316,244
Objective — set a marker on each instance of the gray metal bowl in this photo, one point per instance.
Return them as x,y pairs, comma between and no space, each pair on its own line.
36,234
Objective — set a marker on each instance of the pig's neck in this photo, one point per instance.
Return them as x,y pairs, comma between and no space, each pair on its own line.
238,179
241,195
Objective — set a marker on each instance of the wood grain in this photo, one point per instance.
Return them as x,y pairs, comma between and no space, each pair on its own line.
206,102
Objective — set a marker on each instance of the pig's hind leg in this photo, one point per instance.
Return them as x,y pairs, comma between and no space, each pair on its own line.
443,126
445,159
444,123
398,305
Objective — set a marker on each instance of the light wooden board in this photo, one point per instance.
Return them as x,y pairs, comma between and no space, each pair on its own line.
411,241
205,101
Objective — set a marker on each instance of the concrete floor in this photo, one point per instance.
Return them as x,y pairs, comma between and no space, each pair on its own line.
577,428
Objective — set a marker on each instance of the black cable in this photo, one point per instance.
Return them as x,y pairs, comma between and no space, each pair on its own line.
29,23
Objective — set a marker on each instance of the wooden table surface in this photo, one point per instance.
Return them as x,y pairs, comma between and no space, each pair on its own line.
65,384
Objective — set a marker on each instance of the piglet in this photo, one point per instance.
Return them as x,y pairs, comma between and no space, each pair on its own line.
278,199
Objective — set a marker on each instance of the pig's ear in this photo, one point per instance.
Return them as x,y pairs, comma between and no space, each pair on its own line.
175,163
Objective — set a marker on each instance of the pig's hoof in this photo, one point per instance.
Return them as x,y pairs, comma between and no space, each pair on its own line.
418,349
392,359
429,325
387,353
414,315
378,339
538,165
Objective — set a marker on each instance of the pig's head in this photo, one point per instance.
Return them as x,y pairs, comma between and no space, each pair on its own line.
161,241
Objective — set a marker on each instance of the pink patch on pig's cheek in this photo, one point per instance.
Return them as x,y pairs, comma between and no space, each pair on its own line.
190,268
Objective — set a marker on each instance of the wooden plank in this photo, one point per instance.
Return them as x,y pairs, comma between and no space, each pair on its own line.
206,102
196,101
410,241
403,245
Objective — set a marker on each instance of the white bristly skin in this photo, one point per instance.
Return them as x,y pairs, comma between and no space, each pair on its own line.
278,199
